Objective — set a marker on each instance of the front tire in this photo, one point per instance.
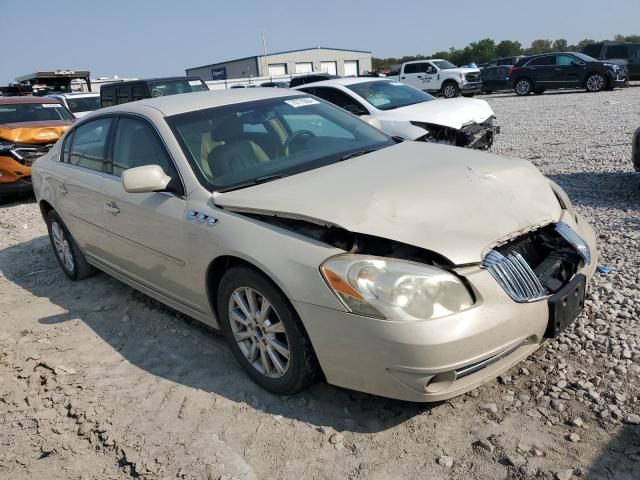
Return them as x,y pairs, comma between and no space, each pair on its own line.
523,87
264,332
71,259
595,82
450,89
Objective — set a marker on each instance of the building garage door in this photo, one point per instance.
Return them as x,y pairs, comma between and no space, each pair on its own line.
351,68
304,67
277,69
329,67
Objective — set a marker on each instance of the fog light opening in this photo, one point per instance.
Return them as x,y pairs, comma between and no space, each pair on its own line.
440,382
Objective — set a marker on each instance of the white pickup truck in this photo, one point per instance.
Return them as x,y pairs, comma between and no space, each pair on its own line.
441,76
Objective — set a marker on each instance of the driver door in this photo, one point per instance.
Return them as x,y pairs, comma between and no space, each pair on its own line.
430,79
148,232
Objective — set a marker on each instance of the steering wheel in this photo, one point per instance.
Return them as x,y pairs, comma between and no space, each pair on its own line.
295,136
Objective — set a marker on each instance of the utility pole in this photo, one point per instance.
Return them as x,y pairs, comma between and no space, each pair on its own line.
264,54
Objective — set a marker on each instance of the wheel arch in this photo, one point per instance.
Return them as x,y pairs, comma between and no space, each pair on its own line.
45,208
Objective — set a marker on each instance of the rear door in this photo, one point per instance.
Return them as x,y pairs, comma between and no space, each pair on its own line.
79,185
147,231
413,74
543,71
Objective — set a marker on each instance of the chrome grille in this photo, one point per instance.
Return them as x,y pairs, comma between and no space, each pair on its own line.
575,240
514,274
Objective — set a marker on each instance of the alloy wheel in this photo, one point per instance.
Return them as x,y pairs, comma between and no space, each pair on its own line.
523,87
259,332
63,249
595,83
449,91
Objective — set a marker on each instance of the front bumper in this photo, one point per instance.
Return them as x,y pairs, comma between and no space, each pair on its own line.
617,78
471,87
14,176
432,360
478,136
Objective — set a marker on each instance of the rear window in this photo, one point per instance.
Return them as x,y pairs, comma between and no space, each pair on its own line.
541,61
616,51
83,104
175,87
33,112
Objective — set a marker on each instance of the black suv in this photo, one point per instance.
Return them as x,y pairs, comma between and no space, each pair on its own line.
624,54
130,91
564,70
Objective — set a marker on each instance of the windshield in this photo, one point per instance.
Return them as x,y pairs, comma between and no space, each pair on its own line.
584,58
174,87
33,112
83,104
386,95
247,143
443,64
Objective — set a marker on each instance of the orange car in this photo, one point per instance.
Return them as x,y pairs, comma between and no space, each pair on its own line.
29,126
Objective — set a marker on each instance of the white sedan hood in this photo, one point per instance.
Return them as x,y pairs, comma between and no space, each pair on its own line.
452,113
449,200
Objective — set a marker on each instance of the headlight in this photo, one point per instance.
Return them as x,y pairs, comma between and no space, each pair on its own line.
393,289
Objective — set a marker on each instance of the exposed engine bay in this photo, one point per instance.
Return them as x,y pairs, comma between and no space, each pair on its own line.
478,136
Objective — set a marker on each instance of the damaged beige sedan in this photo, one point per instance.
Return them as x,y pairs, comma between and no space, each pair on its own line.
319,246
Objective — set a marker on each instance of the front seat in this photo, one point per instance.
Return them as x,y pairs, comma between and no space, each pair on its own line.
237,153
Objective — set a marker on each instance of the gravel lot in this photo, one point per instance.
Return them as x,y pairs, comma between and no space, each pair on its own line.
98,381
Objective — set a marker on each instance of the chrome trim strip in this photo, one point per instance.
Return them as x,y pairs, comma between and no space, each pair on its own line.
468,370
576,241
515,276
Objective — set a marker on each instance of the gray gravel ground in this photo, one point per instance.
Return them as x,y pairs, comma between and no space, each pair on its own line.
99,381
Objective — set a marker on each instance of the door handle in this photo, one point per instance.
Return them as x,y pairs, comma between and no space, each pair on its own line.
402,78
62,190
111,207
420,77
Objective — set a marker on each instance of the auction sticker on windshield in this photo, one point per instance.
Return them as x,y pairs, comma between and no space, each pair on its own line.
301,102
194,83
51,105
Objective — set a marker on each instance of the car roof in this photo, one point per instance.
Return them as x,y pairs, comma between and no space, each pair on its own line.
189,102
343,81
26,99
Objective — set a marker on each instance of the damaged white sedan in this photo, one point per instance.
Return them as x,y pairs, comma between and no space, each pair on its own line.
403,111
320,246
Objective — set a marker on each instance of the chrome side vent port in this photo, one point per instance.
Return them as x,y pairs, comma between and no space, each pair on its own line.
515,276
576,241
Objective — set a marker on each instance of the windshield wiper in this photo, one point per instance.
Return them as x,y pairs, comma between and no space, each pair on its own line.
358,153
250,183
269,178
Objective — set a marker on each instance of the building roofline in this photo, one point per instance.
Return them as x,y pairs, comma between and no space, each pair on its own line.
278,53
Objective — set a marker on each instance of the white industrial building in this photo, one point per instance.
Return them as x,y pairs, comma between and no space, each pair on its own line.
336,61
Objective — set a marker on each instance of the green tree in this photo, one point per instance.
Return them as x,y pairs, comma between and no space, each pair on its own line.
540,45
481,51
560,45
632,38
585,42
508,48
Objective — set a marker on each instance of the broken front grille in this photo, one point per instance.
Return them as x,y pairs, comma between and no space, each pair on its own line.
27,154
538,263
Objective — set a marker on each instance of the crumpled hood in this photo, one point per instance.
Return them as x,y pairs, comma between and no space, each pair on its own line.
453,113
450,200
33,132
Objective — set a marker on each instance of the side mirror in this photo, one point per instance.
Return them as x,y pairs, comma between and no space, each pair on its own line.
576,62
145,179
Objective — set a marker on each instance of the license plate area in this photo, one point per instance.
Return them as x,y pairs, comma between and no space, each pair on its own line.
566,305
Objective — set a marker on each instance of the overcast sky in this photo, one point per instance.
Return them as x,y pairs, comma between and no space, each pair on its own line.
160,38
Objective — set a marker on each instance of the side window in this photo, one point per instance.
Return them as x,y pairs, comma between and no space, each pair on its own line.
411,68
107,97
341,99
88,145
122,95
634,52
139,92
616,51
66,147
542,61
565,60
136,144
592,50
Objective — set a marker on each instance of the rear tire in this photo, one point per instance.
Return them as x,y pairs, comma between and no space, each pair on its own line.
523,87
262,340
595,82
70,258
450,89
